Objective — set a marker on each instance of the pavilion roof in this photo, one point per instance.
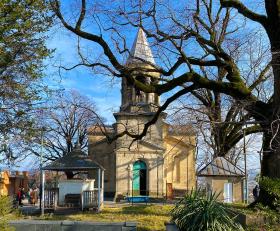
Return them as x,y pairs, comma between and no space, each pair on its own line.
77,160
220,166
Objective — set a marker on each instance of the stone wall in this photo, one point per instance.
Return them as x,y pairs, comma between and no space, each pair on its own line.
180,149
41,225
104,154
124,172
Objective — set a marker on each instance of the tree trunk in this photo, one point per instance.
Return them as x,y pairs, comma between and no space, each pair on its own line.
69,175
270,166
271,155
271,137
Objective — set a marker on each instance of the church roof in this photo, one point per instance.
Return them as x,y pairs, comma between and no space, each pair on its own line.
100,130
76,160
153,146
182,129
140,50
220,166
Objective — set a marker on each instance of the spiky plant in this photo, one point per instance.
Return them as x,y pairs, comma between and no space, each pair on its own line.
197,212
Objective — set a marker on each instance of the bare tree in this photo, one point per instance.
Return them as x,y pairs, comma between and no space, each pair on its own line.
176,31
61,125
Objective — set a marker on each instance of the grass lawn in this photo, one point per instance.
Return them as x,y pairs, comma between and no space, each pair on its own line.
150,217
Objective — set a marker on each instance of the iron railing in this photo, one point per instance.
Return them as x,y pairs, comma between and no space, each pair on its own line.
51,198
89,199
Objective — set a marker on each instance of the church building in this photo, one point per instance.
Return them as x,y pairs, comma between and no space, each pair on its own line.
160,164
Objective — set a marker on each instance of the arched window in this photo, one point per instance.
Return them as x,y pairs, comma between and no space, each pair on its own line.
140,95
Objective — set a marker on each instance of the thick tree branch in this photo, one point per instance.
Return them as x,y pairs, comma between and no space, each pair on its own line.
233,140
242,9
135,137
88,36
82,15
261,78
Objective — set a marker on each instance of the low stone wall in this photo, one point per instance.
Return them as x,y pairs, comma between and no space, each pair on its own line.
170,226
42,225
254,219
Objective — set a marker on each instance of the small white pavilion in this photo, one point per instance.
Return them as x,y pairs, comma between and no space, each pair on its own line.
83,193
225,178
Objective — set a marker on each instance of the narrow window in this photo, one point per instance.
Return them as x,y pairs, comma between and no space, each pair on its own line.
177,169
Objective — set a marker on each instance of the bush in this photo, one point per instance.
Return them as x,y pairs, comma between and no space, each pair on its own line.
5,209
270,189
197,212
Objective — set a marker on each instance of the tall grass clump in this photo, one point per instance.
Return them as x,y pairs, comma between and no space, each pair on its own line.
198,212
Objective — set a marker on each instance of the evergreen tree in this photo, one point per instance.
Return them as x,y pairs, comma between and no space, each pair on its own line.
23,27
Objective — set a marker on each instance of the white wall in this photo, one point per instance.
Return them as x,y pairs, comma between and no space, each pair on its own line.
73,187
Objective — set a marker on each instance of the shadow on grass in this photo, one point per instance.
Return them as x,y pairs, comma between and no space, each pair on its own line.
155,210
147,210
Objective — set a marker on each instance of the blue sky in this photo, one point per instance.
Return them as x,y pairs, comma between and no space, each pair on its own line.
98,88
104,92
101,89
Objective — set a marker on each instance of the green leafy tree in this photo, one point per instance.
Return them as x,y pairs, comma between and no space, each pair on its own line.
24,24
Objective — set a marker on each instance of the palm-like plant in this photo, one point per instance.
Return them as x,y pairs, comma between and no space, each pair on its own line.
198,212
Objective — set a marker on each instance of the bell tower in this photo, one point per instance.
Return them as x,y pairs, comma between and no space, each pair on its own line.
142,61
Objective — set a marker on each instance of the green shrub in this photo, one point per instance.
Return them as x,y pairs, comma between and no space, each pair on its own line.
271,190
5,209
196,212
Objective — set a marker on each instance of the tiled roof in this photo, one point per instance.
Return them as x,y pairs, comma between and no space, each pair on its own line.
75,161
140,50
220,167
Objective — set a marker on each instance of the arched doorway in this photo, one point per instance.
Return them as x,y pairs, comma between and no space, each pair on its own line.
139,183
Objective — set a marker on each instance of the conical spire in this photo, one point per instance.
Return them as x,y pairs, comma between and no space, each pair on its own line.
140,50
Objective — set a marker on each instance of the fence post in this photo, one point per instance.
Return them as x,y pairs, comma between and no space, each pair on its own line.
55,198
99,193
82,200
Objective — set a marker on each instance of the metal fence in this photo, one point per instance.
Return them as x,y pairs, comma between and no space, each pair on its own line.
51,198
89,199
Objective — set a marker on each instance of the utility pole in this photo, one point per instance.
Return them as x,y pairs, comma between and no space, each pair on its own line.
41,174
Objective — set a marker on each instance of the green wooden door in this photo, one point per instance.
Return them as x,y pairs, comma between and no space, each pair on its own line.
137,167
